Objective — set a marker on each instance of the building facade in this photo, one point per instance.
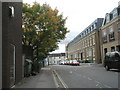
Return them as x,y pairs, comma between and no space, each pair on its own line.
11,38
55,58
86,46
110,32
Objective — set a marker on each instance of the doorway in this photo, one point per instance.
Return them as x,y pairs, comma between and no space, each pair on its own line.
81,56
12,64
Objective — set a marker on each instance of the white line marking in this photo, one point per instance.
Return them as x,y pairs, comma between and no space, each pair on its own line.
107,86
63,83
89,78
56,84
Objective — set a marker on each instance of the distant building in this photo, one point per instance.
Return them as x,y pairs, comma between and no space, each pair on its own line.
55,58
10,43
86,45
110,32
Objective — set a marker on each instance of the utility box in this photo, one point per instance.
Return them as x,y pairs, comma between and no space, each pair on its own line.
10,42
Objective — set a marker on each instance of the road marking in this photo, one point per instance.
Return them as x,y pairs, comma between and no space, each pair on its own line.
13,86
89,78
107,86
56,84
62,82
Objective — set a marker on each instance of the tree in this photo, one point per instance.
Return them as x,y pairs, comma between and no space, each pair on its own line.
50,24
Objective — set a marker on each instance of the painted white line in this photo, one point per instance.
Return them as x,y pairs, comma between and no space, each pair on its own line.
63,83
89,78
13,86
56,84
107,86
98,85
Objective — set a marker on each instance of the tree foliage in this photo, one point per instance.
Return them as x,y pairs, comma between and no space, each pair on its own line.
42,28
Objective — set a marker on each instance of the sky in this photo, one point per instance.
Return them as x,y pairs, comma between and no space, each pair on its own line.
79,13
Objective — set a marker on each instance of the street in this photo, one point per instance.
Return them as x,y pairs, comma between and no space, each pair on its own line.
91,76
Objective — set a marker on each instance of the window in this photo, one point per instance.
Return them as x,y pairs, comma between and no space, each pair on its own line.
111,34
107,18
104,37
93,39
87,30
119,27
115,14
111,16
105,50
112,49
95,25
118,48
92,26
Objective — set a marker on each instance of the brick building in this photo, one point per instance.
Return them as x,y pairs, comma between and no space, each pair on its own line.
110,32
86,45
10,42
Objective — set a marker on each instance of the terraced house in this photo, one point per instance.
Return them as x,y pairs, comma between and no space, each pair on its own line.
86,45
110,32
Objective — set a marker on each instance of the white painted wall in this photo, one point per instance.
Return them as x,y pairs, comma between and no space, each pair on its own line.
0,45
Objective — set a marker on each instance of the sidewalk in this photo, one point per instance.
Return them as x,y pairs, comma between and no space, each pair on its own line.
42,80
91,64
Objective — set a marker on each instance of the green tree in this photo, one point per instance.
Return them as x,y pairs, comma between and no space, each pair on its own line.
48,22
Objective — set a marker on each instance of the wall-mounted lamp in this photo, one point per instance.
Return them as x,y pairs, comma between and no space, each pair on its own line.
11,11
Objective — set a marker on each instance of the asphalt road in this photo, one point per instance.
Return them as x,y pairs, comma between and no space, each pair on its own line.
87,76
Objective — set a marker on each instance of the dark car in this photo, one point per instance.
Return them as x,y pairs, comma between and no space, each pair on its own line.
112,60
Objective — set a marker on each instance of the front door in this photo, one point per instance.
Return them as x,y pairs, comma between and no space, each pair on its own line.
12,64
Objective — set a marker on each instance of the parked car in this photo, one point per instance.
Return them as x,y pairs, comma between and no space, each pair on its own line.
66,62
112,60
75,62
70,62
61,62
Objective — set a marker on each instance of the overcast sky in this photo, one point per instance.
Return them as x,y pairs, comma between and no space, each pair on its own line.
80,14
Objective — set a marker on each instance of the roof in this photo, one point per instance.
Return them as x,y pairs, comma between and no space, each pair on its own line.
95,25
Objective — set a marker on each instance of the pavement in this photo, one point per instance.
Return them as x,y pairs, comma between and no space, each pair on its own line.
44,79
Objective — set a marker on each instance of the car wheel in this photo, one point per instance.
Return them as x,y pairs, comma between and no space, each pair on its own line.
107,68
